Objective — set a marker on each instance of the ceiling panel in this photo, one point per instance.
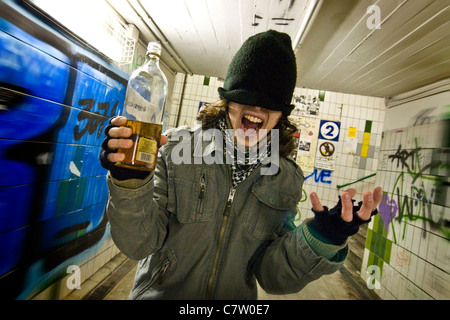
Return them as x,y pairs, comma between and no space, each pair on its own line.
400,57
350,47
207,33
410,49
338,53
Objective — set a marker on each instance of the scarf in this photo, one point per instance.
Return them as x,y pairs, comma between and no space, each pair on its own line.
243,163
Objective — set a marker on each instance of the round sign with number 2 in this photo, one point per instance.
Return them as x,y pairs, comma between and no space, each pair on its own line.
329,130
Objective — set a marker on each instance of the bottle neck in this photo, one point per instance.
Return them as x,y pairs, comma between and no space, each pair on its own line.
151,57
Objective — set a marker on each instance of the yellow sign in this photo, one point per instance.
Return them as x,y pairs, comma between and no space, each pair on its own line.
352,132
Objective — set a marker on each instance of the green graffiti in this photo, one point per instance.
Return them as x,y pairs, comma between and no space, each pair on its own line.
417,203
298,217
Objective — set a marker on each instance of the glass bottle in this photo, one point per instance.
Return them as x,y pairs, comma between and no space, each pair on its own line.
144,108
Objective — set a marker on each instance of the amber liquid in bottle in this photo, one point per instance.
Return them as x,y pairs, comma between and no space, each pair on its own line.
142,156
144,108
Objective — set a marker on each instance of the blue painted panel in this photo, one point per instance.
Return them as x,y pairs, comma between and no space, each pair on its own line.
37,71
15,207
61,229
15,173
16,32
66,196
91,156
52,188
94,101
28,119
11,249
74,161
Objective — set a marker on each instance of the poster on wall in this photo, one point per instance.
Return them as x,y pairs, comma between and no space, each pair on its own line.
307,141
306,106
327,144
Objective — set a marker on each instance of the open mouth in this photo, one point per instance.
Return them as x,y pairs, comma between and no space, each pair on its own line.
252,122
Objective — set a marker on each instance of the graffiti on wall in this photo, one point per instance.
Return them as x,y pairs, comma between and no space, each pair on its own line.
55,99
319,175
415,194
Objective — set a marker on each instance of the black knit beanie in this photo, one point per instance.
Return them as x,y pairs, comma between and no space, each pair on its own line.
263,73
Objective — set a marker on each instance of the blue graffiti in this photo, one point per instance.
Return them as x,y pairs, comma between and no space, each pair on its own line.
55,100
320,176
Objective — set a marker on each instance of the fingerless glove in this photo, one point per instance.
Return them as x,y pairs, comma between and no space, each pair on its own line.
116,172
331,228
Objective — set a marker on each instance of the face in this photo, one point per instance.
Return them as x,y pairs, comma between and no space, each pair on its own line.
250,123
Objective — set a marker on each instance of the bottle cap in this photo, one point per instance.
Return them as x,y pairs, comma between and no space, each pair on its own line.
154,47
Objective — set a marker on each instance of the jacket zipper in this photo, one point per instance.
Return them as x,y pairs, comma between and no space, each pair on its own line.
162,272
201,195
226,214
157,276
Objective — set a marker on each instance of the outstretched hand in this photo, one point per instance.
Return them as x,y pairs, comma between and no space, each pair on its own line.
370,203
335,225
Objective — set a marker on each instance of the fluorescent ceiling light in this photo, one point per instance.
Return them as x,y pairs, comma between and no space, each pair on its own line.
92,20
304,23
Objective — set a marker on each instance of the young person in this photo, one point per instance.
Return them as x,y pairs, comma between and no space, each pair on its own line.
208,223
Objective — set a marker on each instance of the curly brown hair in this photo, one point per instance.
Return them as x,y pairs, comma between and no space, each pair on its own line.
209,114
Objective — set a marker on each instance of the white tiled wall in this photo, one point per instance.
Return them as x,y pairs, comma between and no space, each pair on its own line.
409,240
194,93
352,111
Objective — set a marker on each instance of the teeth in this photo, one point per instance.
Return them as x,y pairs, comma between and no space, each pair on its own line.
252,119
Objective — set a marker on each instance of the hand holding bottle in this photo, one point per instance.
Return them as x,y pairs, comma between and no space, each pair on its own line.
144,109
120,139
118,136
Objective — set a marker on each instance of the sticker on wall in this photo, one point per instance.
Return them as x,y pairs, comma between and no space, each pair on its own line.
307,141
351,141
327,144
304,146
352,132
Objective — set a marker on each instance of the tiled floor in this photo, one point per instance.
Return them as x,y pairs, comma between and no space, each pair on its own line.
114,281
